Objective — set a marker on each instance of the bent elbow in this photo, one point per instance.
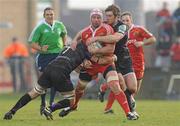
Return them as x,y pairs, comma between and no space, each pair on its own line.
154,40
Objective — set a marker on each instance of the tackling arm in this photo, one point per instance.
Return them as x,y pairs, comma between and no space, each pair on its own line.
107,39
76,40
108,49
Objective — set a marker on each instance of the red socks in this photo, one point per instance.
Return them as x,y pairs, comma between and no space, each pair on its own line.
110,101
122,100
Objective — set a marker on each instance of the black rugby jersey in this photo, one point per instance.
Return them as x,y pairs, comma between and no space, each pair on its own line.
69,59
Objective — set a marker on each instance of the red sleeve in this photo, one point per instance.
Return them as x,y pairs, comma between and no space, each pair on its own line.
145,33
109,29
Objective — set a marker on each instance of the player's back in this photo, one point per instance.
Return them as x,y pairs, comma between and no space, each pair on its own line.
69,59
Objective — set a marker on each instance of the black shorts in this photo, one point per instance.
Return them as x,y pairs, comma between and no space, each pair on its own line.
86,77
56,77
124,66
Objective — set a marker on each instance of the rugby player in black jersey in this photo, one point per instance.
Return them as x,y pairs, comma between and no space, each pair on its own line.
57,75
123,64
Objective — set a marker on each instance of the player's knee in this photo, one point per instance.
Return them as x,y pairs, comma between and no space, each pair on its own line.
114,86
81,85
39,90
113,82
133,89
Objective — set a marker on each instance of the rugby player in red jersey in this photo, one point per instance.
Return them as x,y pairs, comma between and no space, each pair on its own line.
138,37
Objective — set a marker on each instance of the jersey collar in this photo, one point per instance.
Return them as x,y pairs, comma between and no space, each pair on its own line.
52,27
94,30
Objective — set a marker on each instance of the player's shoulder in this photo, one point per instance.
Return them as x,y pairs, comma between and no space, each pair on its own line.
39,26
139,27
106,26
121,27
58,22
86,29
40,23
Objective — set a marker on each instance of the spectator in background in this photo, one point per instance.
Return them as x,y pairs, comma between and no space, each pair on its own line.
163,59
176,18
16,53
175,54
48,39
164,22
164,12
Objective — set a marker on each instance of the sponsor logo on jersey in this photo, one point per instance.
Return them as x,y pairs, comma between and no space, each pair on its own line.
86,36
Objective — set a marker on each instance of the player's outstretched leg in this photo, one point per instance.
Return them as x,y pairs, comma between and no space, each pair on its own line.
20,103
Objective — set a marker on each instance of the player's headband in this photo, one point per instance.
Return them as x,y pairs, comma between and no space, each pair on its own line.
96,11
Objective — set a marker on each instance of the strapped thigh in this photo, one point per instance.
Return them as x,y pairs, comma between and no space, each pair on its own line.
38,89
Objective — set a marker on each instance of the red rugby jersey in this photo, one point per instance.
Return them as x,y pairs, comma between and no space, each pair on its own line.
137,33
88,32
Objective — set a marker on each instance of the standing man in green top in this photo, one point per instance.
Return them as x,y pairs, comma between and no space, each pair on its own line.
48,38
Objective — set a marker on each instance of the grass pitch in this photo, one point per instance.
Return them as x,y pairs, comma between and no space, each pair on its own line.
90,113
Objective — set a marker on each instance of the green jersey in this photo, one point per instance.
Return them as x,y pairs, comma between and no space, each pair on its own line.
44,34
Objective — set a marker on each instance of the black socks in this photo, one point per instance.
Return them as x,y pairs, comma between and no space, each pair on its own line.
59,105
128,96
21,102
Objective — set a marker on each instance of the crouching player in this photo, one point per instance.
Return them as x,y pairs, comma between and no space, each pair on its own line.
57,75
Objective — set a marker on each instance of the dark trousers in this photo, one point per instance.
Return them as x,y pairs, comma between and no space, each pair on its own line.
17,72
